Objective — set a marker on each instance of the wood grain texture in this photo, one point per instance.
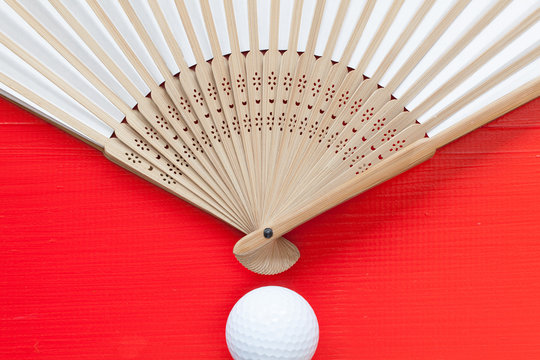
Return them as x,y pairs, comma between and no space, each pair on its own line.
442,262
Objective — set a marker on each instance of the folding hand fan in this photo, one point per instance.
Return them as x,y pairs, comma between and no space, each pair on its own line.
265,113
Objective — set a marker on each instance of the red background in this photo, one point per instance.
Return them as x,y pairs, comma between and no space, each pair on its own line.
442,262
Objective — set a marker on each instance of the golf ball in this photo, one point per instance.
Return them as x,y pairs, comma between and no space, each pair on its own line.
272,322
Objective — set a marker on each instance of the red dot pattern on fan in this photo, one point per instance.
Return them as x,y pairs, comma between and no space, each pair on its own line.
342,99
256,81
131,157
167,179
256,84
270,120
367,114
357,104
197,145
236,125
241,83
329,94
243,109
198,98
397,145
225,86
287,81
142,145
215,134
187,153
316,89
162,123
173,169
272,81
281,121
186,106
152,134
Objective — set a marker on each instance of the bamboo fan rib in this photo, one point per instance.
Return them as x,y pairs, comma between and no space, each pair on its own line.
267,113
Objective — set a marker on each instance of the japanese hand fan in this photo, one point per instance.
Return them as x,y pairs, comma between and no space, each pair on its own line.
267,113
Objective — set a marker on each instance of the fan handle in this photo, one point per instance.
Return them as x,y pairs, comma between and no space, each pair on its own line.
265,252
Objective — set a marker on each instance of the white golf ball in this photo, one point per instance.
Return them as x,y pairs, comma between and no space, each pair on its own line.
272,322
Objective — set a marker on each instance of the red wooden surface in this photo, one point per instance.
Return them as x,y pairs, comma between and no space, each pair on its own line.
442,262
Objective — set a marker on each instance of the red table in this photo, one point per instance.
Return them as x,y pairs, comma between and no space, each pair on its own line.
442,262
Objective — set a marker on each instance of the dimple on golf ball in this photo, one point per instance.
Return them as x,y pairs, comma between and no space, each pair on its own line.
272,322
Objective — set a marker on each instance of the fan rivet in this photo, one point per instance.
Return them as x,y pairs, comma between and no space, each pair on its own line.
268,233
